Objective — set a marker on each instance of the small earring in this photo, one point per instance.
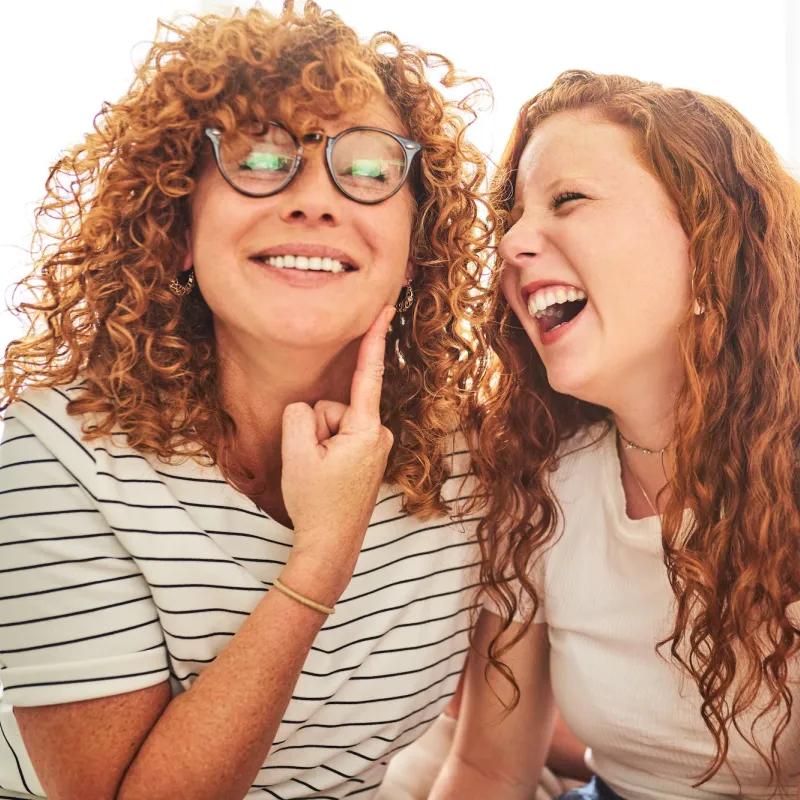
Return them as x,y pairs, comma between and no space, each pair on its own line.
182,289
408,298
698,307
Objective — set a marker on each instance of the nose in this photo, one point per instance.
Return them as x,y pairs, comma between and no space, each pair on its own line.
522,243
311,198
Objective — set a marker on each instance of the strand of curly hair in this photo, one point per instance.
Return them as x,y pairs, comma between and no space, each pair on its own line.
111,234
736,570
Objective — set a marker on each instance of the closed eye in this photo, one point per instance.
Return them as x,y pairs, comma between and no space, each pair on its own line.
566,197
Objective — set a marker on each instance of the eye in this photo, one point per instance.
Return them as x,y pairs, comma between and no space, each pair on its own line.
565,197
368,168
266,162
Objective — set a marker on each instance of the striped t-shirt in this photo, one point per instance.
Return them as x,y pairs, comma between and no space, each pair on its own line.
118,572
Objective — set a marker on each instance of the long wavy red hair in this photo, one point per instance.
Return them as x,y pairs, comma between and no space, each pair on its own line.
112,235
737,431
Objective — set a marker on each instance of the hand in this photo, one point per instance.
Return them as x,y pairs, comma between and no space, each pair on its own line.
334,458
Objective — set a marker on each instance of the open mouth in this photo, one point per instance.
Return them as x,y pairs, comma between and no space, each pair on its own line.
306,263
555,306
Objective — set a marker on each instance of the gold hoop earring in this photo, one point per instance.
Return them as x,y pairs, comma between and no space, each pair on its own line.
407,300
182,289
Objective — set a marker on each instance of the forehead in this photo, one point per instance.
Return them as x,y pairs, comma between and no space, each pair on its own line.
378,112
576,144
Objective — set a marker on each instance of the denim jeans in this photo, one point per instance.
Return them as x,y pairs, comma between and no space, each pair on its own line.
594,790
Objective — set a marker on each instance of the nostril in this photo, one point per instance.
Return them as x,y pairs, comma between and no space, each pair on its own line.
519,259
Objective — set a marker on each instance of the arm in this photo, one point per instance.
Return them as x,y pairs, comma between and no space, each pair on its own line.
492,755
206,743
210,742
567,753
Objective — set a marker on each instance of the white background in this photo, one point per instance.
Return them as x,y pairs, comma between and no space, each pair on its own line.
61,59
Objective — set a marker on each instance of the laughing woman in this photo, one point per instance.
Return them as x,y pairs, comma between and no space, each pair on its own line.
204,453
641,454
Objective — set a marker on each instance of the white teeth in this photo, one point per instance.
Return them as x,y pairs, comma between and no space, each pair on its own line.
306,263
541,303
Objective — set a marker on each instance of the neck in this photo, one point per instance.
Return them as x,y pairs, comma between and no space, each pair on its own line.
643,402
649,428
258,382
644,415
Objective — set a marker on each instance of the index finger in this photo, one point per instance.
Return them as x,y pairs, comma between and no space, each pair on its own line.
365,390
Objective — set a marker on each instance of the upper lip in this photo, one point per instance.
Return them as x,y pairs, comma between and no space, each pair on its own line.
301,249
530,288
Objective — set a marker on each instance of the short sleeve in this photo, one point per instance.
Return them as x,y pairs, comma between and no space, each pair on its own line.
523,608
524,603
77,620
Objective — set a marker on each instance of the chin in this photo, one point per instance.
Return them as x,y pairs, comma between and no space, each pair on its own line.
305,335
571,379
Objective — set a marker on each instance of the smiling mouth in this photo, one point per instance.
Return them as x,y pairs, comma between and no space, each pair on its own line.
306,263
553,306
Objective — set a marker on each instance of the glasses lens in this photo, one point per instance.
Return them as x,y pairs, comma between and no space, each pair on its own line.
368,165
259,164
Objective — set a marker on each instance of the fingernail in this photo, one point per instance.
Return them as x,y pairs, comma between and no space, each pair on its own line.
390,315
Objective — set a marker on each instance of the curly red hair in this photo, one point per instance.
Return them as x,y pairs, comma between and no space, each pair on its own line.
115,217
737,429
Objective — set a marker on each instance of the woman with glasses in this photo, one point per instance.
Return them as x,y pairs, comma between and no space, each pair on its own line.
237,546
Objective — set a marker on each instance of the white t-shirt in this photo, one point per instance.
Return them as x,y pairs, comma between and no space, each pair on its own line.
607,602
118,572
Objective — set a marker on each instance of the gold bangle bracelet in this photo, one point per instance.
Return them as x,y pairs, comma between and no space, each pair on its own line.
300,599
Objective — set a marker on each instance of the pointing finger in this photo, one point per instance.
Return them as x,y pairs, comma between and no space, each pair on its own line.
365,391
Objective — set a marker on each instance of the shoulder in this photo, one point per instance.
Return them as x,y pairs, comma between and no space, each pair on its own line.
40,409
583,458
39,420
39,429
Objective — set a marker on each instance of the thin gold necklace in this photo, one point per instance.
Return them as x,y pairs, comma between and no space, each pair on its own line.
635,477
629,445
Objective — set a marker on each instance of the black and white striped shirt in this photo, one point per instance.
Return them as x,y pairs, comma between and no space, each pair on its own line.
118,572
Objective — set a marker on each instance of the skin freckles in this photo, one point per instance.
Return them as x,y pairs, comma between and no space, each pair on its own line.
588,214
252,304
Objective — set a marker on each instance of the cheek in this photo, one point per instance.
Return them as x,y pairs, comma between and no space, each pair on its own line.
388,234
509,284
665,265
213,230
633,258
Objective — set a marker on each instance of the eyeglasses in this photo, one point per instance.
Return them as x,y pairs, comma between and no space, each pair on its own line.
368,165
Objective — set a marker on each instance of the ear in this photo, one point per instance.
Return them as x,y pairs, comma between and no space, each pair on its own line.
411,270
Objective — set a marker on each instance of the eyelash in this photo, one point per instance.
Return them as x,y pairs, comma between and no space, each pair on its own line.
565,197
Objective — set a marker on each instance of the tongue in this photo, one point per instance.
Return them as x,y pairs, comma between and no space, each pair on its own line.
561,314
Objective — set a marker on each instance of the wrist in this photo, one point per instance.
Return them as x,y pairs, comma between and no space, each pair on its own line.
318,580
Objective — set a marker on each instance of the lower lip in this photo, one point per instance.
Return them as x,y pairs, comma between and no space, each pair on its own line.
300,278
557,334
